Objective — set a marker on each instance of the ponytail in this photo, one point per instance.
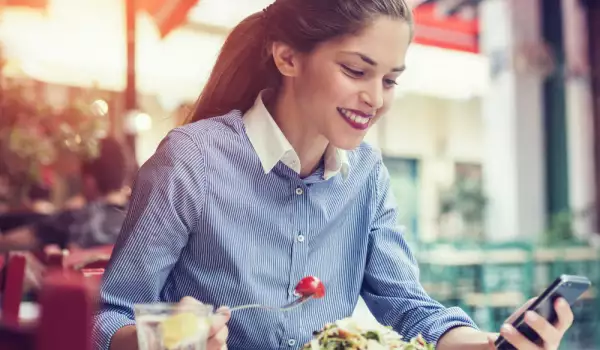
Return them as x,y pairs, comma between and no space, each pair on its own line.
243,68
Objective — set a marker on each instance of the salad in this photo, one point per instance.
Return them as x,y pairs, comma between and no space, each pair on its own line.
347,334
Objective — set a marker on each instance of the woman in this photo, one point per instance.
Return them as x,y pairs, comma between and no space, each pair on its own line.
270,181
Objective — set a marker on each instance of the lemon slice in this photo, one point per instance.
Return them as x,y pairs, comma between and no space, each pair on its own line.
178,328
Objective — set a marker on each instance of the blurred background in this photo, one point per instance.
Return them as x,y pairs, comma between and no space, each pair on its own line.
493,141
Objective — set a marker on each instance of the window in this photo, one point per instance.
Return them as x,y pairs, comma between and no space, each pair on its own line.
405,185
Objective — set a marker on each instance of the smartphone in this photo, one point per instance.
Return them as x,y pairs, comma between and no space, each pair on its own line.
566,286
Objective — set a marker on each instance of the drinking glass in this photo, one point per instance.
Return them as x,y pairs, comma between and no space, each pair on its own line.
166,326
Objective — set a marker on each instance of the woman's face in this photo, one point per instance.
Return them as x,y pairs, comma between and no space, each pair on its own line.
344,86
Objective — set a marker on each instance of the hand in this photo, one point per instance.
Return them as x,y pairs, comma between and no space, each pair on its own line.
218,331
551,334
217,337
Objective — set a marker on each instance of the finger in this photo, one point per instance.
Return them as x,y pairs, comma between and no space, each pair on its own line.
219,340
549,334
517,339
520,310
187,304
189,301
565,315
219,320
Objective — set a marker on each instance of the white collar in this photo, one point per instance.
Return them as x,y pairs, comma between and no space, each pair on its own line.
271,145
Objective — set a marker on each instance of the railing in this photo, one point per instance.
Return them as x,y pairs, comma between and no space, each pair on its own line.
490,281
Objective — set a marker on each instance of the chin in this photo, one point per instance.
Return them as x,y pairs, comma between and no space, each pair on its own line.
347,144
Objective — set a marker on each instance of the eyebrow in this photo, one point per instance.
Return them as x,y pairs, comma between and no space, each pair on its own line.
372,62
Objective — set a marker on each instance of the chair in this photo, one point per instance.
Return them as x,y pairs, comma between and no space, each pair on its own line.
13,288
90,258
67,303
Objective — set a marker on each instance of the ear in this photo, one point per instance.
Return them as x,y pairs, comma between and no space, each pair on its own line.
286,59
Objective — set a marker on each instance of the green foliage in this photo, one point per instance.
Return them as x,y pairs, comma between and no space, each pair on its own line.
35,138
466,198
561,231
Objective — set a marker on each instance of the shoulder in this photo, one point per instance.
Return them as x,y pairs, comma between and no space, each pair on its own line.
366,159
214,128
192,142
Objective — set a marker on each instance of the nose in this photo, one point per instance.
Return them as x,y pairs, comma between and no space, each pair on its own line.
373,96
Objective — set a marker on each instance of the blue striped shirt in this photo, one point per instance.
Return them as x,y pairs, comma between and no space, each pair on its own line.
209,220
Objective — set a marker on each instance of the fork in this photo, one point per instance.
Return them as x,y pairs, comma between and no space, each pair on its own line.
294,304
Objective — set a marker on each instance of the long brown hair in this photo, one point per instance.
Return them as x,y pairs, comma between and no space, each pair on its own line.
245,65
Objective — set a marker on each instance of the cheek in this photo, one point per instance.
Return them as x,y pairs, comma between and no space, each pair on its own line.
388,99
330,83
326,83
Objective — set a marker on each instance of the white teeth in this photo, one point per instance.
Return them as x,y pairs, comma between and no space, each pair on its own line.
361,120
354,117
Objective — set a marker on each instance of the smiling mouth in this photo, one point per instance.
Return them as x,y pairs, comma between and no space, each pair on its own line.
357,120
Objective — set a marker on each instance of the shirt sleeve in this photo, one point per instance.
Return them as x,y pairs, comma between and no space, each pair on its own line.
166,202
391,287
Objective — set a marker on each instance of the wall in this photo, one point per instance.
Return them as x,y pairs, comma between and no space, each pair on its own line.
594,51
438,133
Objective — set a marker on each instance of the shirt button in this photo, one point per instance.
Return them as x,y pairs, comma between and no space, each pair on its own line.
299,191
300,238
292,342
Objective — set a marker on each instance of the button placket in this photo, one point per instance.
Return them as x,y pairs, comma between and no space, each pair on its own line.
299,259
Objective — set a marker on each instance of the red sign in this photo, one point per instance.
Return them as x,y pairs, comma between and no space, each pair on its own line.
167,14
37,4
454,32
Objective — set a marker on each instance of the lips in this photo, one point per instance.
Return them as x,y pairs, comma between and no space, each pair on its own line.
356,119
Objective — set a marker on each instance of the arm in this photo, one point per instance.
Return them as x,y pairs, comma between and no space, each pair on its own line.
466,338
125,338
391,285
165,205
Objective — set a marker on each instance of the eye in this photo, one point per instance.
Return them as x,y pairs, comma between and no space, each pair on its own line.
390,82
352,72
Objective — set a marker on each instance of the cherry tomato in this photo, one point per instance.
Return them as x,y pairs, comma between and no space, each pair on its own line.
311,286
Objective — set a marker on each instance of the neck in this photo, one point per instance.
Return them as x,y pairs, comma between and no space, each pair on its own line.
308,144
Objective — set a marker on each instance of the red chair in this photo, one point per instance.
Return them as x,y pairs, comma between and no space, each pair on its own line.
90,258
68,304
93,274
13,289
96,262
55,257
